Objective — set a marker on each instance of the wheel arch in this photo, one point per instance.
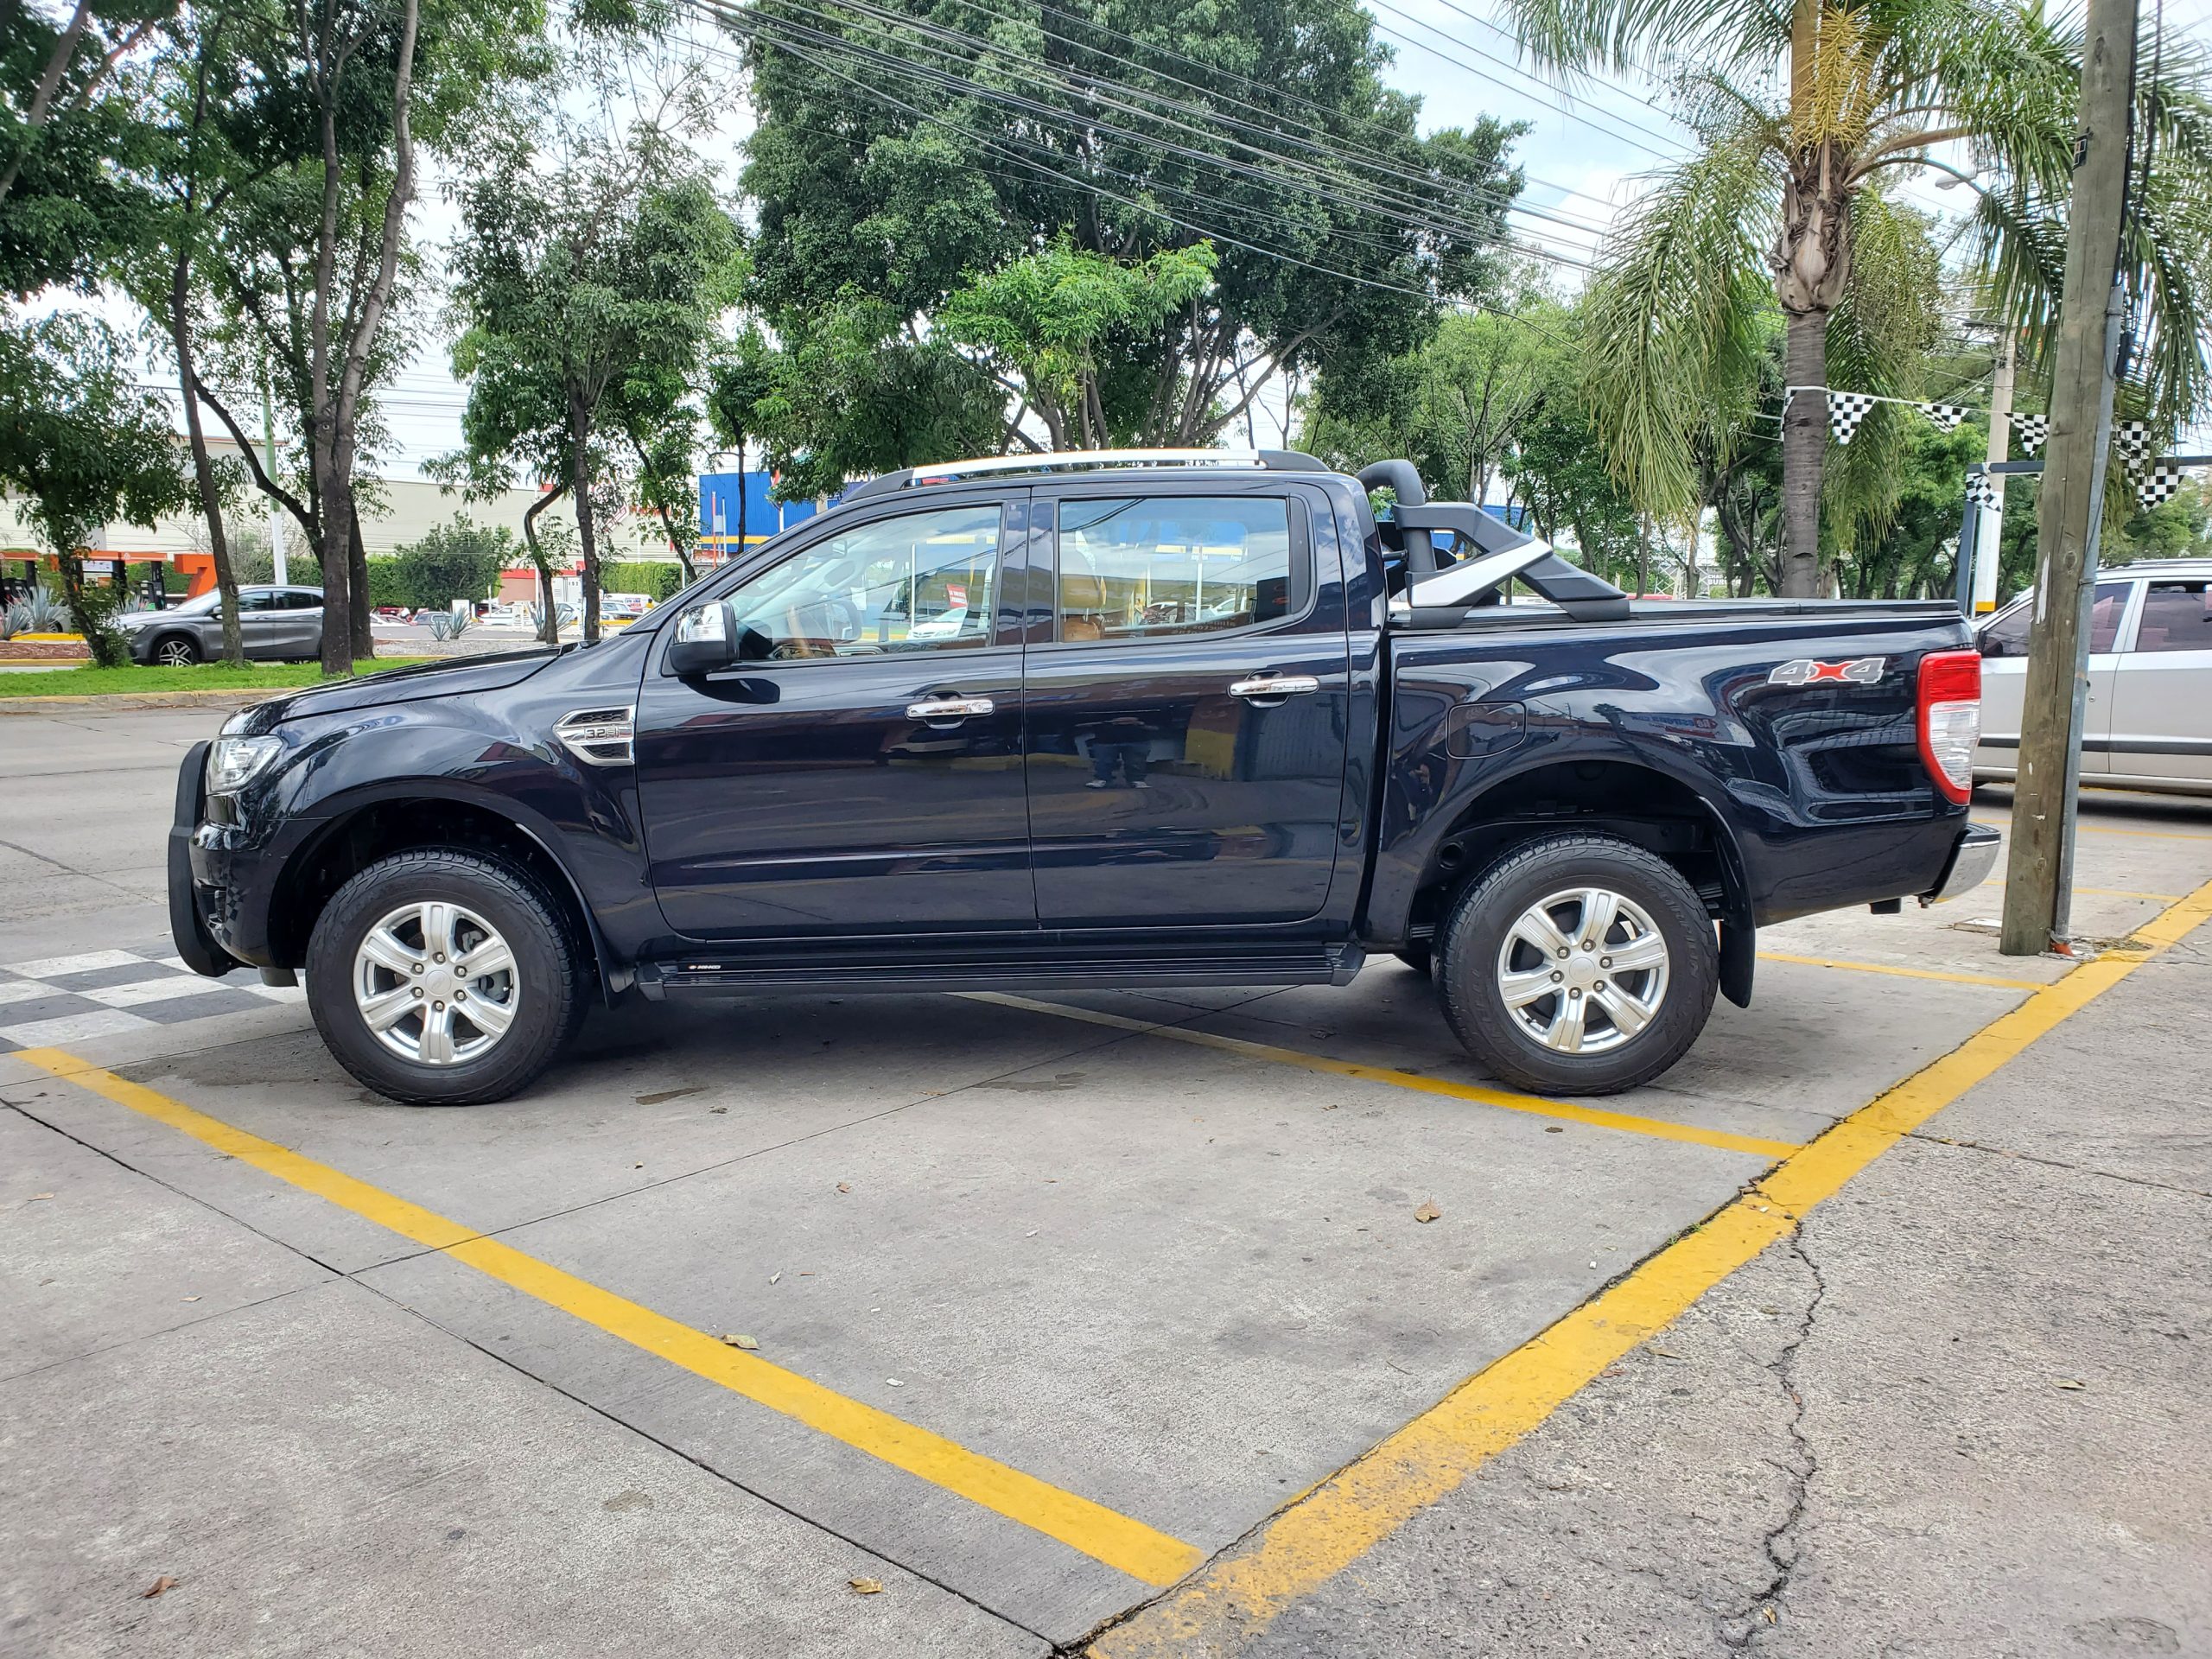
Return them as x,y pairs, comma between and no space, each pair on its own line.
369,825
1641,804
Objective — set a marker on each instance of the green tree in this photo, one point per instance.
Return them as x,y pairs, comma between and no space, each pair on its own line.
1044,328
1803,113
905,149
82,444
588,289
459,559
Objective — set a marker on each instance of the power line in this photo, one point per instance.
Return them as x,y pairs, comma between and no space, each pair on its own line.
1376,203
1667,148
1196,228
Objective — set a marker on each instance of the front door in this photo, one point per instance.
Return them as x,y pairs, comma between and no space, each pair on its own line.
859,773
1186,733
257,623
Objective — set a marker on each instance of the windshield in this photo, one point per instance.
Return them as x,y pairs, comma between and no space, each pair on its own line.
197,607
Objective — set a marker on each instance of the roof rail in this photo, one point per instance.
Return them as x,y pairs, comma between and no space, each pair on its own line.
943,472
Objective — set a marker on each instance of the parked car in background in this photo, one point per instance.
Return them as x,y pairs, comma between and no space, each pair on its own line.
2149,720
280,624
620,610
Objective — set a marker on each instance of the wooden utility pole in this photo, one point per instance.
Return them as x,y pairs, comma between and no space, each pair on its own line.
2038,883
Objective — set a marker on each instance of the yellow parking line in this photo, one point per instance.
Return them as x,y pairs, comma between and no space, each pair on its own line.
1332,1525
1905,973
1097,1531
1505,1100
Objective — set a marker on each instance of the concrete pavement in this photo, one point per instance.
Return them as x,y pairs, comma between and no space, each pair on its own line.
1168,1266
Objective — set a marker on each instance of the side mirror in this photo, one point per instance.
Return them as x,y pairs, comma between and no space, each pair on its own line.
706,639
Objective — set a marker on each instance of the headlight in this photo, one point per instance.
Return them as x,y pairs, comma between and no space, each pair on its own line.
234,761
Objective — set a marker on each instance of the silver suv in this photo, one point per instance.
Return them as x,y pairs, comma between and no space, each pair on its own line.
280,623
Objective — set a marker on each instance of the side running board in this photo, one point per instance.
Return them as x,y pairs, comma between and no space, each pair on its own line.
709,976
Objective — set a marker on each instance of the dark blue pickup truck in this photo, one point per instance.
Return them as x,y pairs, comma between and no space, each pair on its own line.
1120,719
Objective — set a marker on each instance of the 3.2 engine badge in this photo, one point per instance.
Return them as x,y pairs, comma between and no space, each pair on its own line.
1861,671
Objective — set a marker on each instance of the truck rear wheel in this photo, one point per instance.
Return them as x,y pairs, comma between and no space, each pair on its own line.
443,978
1580,964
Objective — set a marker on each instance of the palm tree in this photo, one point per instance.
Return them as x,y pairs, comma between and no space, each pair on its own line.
1806,114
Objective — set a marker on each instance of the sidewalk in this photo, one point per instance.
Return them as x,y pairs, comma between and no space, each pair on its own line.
1961,1414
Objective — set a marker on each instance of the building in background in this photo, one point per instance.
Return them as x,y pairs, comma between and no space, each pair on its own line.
719,516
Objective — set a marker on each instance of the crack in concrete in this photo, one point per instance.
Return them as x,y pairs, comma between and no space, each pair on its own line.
1984,1148
1783,1549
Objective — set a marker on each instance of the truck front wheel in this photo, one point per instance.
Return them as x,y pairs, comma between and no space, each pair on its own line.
443,978
1580,964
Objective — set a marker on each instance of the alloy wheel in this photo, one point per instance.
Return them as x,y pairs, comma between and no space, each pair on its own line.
1583,970
435,983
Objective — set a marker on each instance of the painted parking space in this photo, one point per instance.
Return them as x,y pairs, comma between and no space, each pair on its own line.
1168,1264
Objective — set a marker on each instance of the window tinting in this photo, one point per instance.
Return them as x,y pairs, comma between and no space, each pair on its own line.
2177,616
2105,609
922,581
256,599
293,600
1133,567
2008,635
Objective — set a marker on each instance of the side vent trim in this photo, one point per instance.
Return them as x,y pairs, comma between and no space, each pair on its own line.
600,737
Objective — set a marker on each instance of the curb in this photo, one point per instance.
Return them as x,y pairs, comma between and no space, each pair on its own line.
132,701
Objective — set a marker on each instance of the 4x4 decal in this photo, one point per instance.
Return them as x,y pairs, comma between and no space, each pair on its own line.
1860,671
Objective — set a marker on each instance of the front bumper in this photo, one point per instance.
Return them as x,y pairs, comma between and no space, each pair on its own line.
197,947
1972,860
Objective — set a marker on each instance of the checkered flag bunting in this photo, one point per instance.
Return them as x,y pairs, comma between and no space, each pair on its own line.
2132,440
2031,430
1983,491
2164,479
1946,415
1846,409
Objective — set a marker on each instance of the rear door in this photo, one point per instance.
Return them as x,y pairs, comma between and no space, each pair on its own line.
860,773
298,622
1187,707
2005,675
2161,702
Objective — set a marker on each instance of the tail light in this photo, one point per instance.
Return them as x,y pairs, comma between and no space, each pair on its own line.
1950,719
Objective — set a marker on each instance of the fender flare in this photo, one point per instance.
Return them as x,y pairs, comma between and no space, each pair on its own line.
334,812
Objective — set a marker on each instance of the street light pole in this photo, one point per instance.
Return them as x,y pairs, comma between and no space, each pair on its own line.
2037,885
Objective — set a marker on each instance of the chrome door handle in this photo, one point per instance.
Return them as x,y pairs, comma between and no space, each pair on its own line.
948,707
1277,685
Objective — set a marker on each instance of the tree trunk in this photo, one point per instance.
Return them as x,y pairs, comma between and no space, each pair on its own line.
580,486
356,579
548,624
743,491
1804,453
203,468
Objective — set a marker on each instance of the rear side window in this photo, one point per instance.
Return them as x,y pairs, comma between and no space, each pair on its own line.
1137,568
2008,635
2177,616
293,600
256,599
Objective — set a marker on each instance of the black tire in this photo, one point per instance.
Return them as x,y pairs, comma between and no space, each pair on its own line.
173,650
551,972
1489,908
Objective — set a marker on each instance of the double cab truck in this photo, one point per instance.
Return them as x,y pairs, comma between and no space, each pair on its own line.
1129,720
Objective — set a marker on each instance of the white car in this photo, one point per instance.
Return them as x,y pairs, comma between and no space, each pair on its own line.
2150,709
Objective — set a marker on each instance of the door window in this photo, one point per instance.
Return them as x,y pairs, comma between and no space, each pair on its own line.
256,599
923,581
2177,616
1134,567
293,599
2008,635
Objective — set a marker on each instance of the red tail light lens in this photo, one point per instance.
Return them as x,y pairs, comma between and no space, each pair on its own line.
1950,719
